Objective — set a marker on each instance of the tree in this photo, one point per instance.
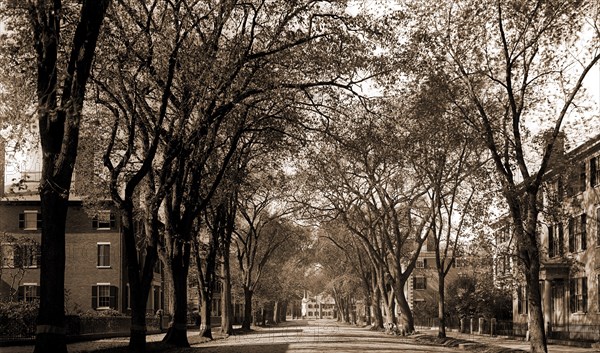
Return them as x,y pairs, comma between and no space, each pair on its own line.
506,66
59,121
363,175
260,232
454,166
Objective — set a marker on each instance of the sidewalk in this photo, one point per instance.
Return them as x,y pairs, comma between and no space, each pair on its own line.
503,341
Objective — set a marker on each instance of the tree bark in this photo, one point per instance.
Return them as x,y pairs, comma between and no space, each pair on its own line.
179,266
59,136
407,318
247,321
441,304
205,314
378,315
226,305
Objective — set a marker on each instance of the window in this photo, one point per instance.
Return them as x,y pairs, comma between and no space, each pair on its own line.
30,220
594,172
104,220
103,255
578,295
555,240
104,296
420,283
421,263
29,292
522,300
7,255
577,233
598,226
30,255
582,178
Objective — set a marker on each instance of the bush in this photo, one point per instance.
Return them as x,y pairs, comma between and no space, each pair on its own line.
17,319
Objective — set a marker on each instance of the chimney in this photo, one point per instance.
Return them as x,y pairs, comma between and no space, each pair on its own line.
558,150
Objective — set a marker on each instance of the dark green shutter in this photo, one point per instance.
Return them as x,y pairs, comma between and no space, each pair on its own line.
114,302
39,220
37,292
424,263
21,220
112,220
94,297
95,222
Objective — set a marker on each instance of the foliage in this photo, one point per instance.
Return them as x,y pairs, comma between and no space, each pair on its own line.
18,318
472,296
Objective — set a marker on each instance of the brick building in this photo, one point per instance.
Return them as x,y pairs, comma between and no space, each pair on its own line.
95,268
569,238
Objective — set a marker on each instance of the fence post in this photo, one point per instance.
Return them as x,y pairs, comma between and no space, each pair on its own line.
493,327
463,325
471,331
480,328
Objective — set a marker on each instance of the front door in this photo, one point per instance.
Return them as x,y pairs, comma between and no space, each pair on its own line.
559,307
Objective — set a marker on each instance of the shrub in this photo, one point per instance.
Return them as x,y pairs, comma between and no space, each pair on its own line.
17,319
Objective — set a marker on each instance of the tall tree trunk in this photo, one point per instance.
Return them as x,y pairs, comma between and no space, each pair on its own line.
179,266
59,137
276,312
226,303
247,320
50,335
283,312
140,279
205,314
376,305
441,304
407,318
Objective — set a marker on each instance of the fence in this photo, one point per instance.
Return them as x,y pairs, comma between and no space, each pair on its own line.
89,326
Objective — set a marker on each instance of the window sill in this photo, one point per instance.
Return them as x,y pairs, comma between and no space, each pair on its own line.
105,229
30,229
103,266
579,313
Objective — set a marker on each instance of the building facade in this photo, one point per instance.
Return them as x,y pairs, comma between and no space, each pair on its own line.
318,307
570,243
95,264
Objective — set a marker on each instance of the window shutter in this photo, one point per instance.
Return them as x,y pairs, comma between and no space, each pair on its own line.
39,220
424,263
21,293
550,241
572,295
114,291
94,297
414,283
112,221
37,292
571,236
593,172
424,282
18,252
561,239
21,220
38,255
95,222
583,232
584,293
